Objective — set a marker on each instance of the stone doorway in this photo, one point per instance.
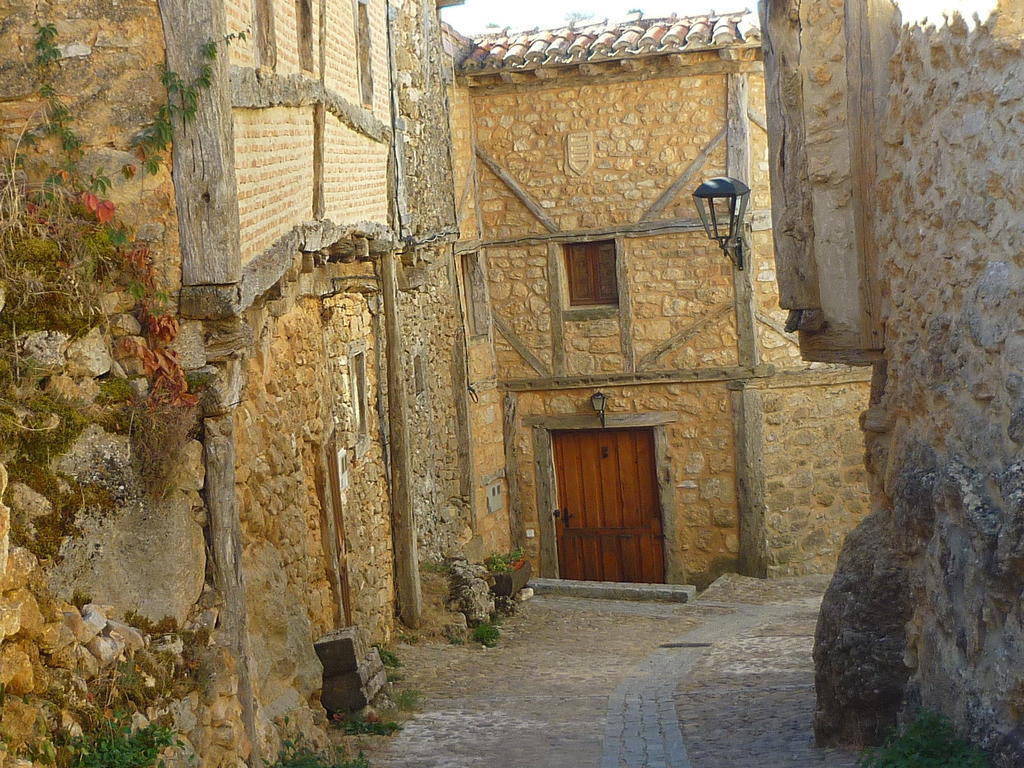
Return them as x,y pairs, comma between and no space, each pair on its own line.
608,524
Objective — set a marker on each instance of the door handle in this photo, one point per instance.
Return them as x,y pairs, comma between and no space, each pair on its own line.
566,514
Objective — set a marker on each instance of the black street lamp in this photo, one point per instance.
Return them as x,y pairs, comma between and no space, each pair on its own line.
599,401
722,204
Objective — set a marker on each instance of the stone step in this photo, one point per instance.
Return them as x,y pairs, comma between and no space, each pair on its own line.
615,590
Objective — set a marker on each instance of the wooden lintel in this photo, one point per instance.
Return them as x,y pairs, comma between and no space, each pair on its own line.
641,229
684,178
593,421
827,377
516,189
684,334
517,344
679,376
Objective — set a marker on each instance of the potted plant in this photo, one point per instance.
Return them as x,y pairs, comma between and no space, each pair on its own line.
511,571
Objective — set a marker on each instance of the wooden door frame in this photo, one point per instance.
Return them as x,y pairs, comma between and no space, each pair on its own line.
547,486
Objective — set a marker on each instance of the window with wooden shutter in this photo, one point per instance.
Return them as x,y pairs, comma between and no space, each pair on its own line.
590,268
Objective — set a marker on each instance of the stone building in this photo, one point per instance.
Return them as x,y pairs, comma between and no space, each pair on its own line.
898,213
576,152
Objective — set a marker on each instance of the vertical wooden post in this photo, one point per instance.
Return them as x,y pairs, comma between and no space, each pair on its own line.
460,386
547,501
748,435
555,303
226,549
403,519
509,427
204,149
738,164
625,307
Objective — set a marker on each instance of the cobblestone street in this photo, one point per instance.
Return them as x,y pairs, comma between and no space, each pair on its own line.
724,682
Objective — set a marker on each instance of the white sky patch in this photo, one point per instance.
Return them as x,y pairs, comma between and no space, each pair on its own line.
475,15
934,11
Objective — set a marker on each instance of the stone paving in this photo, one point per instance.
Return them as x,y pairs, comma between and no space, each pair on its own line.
724,682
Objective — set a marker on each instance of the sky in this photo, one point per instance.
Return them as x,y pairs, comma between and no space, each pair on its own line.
475,15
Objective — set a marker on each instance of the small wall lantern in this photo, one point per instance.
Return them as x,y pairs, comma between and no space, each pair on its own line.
722,204
598,401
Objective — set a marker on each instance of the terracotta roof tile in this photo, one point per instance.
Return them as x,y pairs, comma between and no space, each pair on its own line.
602,40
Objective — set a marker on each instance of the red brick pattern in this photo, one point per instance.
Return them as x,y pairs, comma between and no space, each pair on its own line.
354,169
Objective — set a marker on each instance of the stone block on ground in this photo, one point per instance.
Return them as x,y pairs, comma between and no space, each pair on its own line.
340,651
89,356
354,690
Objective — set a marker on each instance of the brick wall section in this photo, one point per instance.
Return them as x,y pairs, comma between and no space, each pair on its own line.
816,491
273,158
355,168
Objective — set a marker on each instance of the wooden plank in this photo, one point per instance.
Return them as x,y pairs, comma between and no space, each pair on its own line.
684,334
640,229
625,306
738,165
460,376
592,421
519,346
403,520
671,514
516,189
750,482
203,153
813,378
646,377
555,308
864,163
684,178
796,268
510,429
226,553
544,481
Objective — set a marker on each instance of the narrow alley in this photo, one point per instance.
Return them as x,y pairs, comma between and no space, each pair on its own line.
723,682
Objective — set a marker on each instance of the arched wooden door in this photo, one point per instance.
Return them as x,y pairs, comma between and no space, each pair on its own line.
608,523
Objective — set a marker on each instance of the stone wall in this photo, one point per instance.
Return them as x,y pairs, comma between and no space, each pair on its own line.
944,433
816,487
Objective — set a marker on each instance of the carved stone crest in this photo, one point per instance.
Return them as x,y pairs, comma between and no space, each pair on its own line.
579,152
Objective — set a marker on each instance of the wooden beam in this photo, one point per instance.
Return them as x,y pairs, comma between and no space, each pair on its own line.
203,155
776,326
461,387
555,308
677,376
684,178
226,552
864,163
516,189
672,513
750,482
640,229
509,430
815,377
796,268
547,501
684,334
403,520
517,344
593,421
319,132
625,306
738,166
757,118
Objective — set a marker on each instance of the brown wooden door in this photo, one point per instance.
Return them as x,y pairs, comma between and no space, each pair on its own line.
608,523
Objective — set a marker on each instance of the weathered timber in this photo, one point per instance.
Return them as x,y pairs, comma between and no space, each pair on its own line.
861,20
403,520
684,179
738,166
509,428
776,326
675,570
796,268
833,345
256,89
517,344
460,386
816,377
593,421
625,306
684,334
555,305
757,118
750,483
203,153
226,551
319,133
640,377
516,189
547,501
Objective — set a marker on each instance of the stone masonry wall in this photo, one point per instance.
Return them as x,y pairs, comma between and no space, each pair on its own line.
816,485
945,434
